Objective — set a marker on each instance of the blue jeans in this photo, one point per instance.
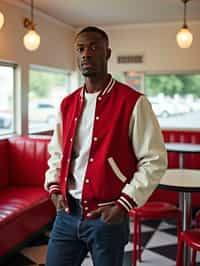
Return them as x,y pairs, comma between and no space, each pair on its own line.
72,237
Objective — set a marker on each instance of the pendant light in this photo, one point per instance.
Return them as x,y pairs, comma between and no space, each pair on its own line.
31,38
1,20
184,37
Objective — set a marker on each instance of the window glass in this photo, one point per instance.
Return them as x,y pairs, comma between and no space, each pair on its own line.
175,98
6,99
46,90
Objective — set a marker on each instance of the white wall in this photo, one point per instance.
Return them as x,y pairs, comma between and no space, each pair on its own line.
56,39
158,45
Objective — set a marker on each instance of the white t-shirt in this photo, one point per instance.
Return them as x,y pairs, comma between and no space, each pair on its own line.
81,147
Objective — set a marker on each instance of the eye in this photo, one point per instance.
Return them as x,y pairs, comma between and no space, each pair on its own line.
79,49
93,47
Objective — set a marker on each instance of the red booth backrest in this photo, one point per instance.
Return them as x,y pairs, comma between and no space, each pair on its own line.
3,163
192,161
27,160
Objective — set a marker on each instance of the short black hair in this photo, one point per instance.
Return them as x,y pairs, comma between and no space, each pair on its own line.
94,29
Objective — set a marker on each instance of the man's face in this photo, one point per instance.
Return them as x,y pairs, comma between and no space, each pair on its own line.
92,54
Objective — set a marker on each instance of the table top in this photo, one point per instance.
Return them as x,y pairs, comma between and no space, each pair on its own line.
181,180
182,147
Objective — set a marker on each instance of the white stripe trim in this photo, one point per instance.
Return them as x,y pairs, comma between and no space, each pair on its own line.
105,203
82,92
116,170
126,201
108,86
122,203
111,87
54,186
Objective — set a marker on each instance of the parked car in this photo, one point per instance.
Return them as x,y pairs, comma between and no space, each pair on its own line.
168,107
42,111
163,109
5,119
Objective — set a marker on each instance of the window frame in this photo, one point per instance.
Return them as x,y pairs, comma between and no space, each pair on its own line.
14,66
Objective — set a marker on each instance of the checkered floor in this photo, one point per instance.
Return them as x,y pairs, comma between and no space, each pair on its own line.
159,243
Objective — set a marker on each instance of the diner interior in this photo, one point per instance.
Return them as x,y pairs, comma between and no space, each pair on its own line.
155,50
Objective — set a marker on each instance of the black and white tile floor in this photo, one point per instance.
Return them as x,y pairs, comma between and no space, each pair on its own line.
159,243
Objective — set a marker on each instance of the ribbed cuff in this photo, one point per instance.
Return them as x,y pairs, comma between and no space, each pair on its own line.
54,188
125,202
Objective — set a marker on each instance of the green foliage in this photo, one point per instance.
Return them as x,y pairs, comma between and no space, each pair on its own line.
42,82
171,84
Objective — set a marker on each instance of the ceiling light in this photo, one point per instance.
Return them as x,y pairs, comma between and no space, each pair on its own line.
31,38
1,20
184,37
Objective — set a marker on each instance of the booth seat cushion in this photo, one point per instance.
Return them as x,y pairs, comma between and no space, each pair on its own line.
27,161
14,201
25,207
3,163
23,223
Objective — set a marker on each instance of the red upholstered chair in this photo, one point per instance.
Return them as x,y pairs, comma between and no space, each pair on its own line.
151,210
192,239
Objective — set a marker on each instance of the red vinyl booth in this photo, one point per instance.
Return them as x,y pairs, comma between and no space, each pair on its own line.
24,205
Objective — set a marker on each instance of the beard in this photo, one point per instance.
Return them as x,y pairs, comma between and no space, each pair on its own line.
88,73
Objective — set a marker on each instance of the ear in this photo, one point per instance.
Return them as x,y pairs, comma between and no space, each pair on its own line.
108,55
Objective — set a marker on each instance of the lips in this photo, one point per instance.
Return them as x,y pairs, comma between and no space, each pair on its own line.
86,64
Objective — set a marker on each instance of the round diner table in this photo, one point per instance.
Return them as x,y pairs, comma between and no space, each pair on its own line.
185,181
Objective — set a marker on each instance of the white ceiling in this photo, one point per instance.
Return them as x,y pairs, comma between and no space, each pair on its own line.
117,12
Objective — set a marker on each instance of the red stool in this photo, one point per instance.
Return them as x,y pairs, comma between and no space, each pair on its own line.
190,238
151,210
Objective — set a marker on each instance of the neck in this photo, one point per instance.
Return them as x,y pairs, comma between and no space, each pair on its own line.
94,84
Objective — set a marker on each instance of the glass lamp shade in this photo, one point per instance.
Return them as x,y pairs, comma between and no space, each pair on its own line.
31,40
184,38
1,20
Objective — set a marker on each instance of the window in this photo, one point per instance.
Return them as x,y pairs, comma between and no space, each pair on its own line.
46,90
7,103
175,98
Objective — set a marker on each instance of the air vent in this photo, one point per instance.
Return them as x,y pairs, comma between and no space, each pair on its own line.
129,59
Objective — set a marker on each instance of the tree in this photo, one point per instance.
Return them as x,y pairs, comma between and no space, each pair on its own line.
171,84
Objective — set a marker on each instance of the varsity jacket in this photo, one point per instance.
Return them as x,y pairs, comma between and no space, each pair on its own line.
112,163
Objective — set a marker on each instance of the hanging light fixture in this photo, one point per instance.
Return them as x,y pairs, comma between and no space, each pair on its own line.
31,38
184,37
1,20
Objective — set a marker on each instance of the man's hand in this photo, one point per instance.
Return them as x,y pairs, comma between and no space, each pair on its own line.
58,201
109,214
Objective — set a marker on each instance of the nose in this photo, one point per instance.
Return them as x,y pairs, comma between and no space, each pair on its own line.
86,52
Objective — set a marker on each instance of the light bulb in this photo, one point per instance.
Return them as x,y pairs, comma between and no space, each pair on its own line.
184,38
1,20
31,40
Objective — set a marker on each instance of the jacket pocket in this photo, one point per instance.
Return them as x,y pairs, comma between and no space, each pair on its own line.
116,170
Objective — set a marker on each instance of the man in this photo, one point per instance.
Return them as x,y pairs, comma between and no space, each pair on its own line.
107,156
